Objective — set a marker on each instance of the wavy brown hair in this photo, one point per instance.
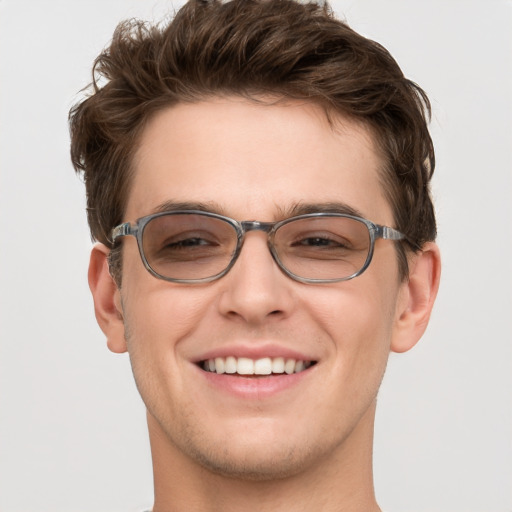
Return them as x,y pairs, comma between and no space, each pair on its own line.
250,48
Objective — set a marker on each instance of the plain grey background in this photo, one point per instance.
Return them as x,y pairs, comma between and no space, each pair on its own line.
72,427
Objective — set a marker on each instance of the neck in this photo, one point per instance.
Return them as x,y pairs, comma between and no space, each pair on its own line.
341,481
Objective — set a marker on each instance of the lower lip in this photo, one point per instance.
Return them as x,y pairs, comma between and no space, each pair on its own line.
254,387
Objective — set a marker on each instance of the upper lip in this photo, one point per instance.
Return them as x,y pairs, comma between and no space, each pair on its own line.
255,351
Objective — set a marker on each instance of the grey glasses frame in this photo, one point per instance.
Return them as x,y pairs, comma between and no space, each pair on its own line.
375,231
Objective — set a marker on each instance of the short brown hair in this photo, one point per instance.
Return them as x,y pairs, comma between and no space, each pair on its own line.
285,48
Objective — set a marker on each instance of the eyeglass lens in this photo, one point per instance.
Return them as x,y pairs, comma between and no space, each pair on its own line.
193,246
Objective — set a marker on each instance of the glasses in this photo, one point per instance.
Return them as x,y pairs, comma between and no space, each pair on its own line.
189,246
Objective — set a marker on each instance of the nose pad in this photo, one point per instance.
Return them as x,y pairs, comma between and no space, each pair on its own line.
255,287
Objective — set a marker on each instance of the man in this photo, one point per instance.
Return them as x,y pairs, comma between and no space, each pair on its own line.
257,179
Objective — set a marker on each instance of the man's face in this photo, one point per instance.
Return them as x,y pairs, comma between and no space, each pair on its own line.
254,162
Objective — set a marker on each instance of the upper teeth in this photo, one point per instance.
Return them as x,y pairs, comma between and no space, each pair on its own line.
246,366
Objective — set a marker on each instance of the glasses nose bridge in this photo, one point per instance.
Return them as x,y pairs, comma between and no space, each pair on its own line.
255,225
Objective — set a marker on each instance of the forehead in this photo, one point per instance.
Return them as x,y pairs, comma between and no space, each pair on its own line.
254,160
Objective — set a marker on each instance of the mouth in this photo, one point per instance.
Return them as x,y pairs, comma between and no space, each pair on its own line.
245,366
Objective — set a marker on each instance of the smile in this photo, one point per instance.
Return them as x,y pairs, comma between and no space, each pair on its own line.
247,366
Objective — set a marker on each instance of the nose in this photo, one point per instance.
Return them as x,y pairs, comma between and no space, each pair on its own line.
255,290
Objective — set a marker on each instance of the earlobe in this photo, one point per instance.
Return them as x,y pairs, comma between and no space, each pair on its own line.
417,298
107,301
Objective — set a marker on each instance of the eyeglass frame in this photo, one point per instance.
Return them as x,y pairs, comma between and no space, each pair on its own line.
376,231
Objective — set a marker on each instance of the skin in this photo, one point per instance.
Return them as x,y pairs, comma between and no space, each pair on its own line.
307,447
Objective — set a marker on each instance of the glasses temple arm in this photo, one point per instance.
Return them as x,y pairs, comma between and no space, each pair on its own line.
121,230
388,233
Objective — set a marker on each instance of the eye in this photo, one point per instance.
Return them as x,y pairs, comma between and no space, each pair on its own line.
187,243
321,241
188,246
185,246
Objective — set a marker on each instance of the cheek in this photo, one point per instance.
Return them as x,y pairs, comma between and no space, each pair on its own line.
158,317
157,311
157,325
162,318
358,317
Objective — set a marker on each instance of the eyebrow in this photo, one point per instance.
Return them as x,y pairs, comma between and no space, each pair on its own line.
301,208
298,208
172,206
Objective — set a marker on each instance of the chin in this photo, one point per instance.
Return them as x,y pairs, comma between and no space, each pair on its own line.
253,466
256,449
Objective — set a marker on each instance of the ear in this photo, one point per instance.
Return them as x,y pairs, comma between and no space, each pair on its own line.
417,297
107,299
